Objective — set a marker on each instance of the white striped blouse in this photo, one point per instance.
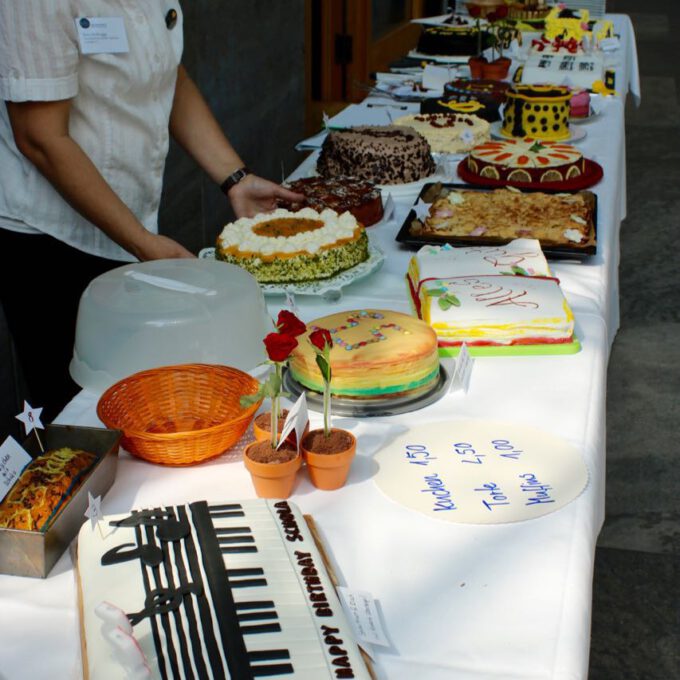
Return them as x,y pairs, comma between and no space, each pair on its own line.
119,115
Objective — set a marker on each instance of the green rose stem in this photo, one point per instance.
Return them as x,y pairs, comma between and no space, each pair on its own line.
275,406
327,408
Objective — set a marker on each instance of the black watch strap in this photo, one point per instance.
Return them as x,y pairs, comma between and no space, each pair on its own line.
235,178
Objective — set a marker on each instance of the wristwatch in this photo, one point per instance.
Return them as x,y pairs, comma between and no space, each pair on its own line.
234,179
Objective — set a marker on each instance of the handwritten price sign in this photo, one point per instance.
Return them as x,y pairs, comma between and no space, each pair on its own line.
481,473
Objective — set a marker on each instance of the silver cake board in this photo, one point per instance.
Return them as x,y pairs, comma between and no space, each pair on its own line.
372,406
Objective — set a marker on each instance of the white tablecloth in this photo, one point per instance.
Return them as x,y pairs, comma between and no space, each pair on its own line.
459,601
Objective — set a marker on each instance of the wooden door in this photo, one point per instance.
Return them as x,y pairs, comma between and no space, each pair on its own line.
348,40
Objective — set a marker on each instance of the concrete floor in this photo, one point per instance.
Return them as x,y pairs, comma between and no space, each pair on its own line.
636,598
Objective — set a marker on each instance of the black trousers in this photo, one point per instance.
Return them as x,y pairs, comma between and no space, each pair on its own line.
41,282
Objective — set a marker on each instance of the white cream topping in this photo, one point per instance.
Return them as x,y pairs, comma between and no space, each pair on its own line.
241,235
573,235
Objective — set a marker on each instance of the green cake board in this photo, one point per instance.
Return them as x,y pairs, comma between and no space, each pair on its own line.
515,350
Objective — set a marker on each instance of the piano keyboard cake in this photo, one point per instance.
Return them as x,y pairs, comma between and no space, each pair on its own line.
209,591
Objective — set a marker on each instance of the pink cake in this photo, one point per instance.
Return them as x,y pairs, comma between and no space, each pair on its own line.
579,104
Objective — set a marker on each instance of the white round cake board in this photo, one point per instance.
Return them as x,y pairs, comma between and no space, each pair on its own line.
576,133
480,472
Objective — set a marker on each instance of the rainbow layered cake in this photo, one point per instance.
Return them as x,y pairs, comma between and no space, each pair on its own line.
448,132
376,353
526,160
284,246
510,299
210,591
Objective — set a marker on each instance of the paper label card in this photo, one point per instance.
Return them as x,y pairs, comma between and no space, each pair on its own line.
102,35
388,208
364,618
296,420
464,364
480,472
13,459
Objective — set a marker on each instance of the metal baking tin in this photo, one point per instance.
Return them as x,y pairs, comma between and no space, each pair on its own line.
552,251
373,407
34,553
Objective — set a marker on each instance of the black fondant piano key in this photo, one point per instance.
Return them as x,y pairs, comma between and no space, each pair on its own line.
253,571
248,583
257,616
232,530
225,540
212,509
269,655
259,628
228,513
235,550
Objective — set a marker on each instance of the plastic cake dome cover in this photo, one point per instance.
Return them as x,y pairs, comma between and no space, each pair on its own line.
166,312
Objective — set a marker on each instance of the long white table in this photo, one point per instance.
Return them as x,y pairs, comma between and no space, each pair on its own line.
458,601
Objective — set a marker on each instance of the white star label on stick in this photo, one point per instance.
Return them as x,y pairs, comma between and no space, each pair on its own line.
30,417
421,209
326,120
94,510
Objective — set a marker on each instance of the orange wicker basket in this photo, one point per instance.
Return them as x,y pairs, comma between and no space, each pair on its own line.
179,415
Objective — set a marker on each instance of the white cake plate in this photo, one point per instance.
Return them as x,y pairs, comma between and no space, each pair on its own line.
331,288
576,134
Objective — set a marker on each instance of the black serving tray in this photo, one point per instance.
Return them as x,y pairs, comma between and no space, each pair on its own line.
553,251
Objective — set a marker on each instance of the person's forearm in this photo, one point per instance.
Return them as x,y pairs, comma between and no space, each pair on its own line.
71,172
41,133
194,127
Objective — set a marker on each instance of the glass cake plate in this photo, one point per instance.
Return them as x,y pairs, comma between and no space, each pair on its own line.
330,288
376,406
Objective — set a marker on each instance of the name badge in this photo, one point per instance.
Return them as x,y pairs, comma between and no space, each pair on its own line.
102,35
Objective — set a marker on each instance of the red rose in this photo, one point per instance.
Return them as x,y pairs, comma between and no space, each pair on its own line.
474,11
502,12
289,323
279,346
320,338
491,17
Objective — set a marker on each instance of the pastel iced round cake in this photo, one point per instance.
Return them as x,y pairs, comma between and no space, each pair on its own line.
284,246
376,353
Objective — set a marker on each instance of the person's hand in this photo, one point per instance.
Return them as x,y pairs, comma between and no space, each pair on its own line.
157,247
253,195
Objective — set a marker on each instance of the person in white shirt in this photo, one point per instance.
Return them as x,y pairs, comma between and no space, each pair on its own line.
90,101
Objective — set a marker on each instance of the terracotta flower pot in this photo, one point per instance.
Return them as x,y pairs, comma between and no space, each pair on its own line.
328,469
275,479
497,69
262,429
477,65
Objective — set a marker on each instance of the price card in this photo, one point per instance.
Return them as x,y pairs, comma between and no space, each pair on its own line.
480,472
388,209
464,364
364,618
13,459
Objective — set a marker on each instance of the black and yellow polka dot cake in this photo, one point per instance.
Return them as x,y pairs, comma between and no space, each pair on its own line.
537,111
